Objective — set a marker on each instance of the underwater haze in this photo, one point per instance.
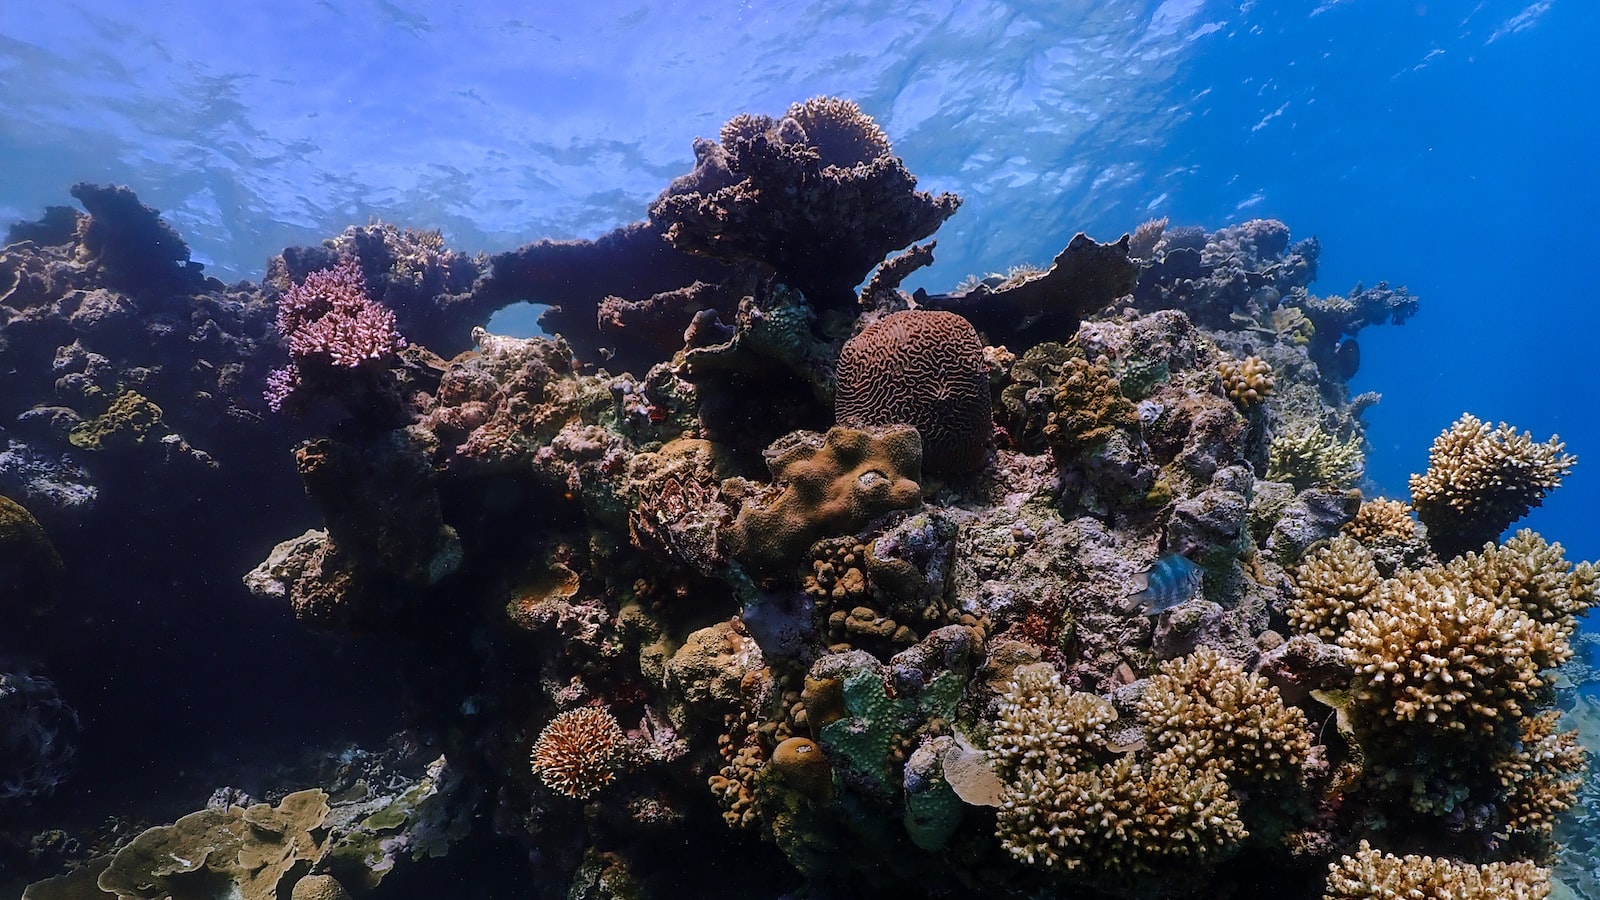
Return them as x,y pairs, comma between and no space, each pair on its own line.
556,621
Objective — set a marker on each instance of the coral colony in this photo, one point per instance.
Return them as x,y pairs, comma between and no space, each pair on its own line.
1056,583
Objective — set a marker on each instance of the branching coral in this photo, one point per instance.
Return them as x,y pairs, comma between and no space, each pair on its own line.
579,752
1387,529
1373,875
1431,652
330,324
1333,582
1480,480
1311,457
1529,574
1064,808
1209,713
1541,777
923,369
1247,381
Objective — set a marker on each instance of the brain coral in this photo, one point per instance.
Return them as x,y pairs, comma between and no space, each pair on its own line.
1480,480
831,487
923,369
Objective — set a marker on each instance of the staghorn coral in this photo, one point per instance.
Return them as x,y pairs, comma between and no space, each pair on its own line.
1480,480
330,325
579,752
1374,875
1333,581
1207,712
1247,381
826,485
923,369
1311,457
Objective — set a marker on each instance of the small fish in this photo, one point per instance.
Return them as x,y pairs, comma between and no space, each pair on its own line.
1170,583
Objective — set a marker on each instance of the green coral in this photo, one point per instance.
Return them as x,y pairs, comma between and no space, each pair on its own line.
1310,457
863,741
129,421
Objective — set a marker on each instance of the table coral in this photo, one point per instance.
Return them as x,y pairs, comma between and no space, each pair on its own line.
1374,875
1480,480
923,369
827,485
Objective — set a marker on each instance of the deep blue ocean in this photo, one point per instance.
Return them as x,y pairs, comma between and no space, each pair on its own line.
1449,147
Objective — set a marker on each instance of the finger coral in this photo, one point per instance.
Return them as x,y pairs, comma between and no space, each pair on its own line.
1247,381
923,369
1333,582
1373,875
579,752
1209,713
1480,480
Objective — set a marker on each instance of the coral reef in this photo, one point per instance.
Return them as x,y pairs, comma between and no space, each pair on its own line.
1480,480
698,613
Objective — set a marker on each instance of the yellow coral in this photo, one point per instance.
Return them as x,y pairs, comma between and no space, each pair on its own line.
1210,713
1248,381
1310,457
1480,480
1374,875
1331,583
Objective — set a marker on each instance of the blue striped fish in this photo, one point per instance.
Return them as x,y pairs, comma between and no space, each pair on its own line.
1170,583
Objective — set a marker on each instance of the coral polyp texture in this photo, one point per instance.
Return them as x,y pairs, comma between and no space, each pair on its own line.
1480,479
756,556
923,369
579,752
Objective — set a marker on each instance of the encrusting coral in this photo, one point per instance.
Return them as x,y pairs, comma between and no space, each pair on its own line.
923,369
1374,875
1482,479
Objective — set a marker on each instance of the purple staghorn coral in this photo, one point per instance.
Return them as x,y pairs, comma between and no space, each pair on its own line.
330,323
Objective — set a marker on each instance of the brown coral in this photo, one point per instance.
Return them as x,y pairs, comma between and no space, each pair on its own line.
579,752
924,369
1480,480
1373,875
1210,713
1248,381
829,487
1088,408
1331,583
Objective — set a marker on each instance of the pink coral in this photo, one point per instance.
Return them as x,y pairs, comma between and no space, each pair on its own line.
328,320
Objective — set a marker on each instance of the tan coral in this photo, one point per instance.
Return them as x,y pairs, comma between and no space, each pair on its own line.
1431,653
1247,381
1331,583
1088,408
1373,875
1528,573
1395,538
1541,777
827,488
1480,480
579,752
1210,713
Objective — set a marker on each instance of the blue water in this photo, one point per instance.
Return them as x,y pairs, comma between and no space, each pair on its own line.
1445,146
